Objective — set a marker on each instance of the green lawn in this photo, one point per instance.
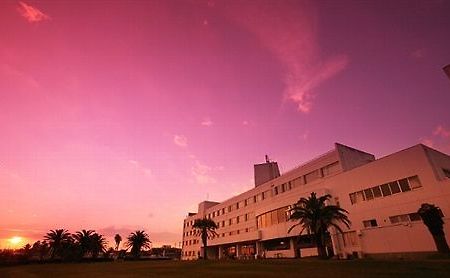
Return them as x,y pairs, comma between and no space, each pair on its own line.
267,268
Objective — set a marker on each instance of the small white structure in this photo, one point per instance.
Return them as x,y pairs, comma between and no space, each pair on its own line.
382,197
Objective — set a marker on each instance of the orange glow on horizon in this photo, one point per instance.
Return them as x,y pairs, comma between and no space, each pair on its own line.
15,241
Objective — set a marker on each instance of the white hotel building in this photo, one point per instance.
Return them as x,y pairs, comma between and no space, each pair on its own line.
382,197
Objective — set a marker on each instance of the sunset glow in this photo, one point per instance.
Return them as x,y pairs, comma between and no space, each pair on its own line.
124,115
15,241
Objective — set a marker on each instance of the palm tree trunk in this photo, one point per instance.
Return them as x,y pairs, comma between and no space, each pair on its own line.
441,243
205,244
321,250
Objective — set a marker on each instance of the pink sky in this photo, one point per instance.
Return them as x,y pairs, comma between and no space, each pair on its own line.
123,115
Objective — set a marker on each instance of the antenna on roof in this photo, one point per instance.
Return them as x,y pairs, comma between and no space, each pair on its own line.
267,159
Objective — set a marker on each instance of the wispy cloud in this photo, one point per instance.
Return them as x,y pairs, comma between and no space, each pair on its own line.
31,14
18,76
206,122
418,53
301,85
202,173
180,141
439,138
146,171
289,31
441,131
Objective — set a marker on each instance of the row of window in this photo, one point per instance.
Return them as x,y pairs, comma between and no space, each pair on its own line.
302,180
191,253
272,217
219,235
401,218
236,220
190,242
386,189
229,222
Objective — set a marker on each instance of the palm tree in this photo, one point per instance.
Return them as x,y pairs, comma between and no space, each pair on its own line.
83,239
56,240
117,239
205,228
98,244
40,248
316,217
432,218
137,241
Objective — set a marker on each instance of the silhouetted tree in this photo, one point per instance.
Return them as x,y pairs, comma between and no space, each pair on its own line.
57,239
98,244
205,228
117,239
27,252
137,241
432,218
83,239
40,248
315,216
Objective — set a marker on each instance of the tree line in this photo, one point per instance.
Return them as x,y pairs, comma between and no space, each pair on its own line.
60,245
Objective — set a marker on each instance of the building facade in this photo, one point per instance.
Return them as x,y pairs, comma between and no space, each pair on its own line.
382,197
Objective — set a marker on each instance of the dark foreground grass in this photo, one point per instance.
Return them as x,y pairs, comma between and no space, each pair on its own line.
266,268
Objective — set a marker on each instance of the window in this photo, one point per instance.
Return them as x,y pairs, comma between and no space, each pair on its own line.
310,177
214,214
394,187
237,220
331,169
229,208
282,216
260,197
289,185
254,199
223,223
283,188
369,194
370,223
352,198
404,185
404,218
265,194
415,216
237,205
414,182
298,181
276,244
272,217
230,221
376,191
357,197
275,190
223,211
385,189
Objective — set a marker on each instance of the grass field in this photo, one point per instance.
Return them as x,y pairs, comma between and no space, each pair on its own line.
267,268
